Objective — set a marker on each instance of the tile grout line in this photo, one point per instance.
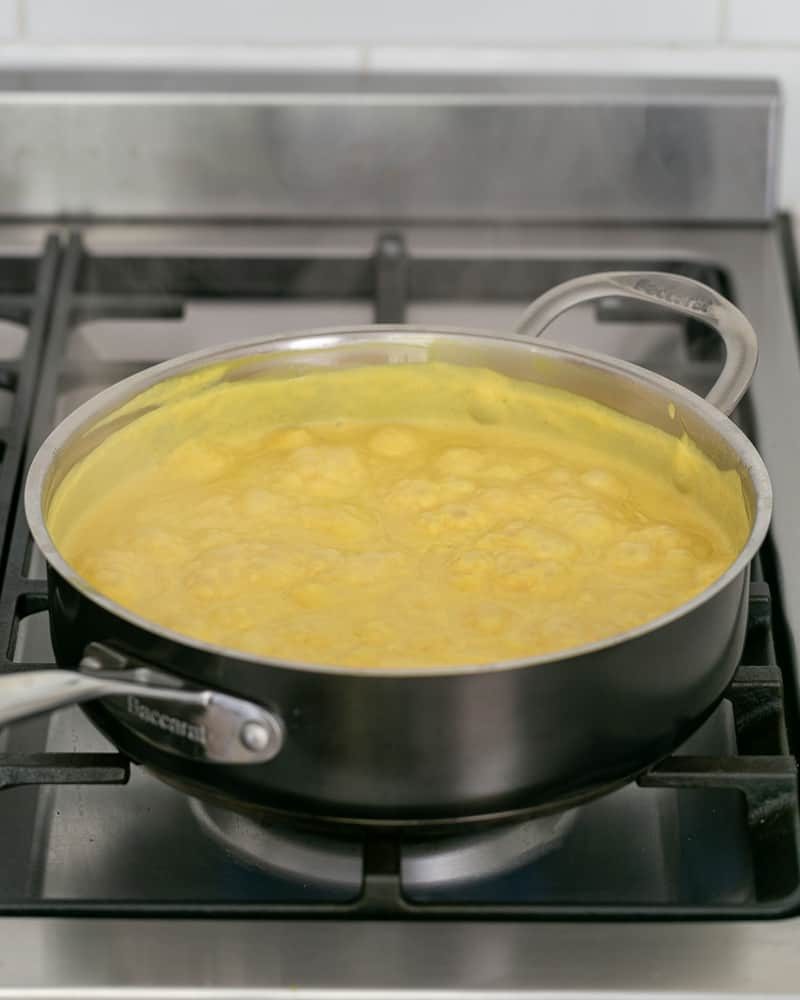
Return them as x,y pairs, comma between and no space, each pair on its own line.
366,50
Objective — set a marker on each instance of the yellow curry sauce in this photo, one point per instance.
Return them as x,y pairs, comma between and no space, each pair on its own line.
308,518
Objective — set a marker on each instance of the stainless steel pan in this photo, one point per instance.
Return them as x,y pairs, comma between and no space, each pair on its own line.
397,746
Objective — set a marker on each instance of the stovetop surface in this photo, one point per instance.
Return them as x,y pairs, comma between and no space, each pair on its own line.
126,297
117,309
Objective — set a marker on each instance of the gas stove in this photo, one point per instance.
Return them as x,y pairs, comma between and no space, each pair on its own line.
111,883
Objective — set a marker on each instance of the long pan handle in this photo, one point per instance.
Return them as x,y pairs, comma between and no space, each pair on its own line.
197,724
27,694
673,291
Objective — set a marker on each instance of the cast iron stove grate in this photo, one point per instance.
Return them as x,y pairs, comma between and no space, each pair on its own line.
27,290
763,771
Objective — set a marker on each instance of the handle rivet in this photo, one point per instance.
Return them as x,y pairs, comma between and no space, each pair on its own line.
254,736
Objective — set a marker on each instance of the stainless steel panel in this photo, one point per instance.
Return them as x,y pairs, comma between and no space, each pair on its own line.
315,960
403,147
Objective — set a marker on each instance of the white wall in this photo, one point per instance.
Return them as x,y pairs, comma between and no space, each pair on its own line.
687,37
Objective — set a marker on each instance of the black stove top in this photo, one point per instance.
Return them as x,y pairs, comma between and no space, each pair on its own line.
713,830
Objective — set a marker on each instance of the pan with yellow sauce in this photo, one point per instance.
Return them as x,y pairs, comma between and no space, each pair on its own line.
411,515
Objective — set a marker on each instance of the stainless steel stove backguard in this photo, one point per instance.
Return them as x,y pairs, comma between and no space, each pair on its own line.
378,146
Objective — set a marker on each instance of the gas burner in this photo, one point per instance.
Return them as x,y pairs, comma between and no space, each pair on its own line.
336,861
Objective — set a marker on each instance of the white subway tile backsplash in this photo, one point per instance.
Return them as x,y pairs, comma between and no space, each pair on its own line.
8,19
760,22
311,22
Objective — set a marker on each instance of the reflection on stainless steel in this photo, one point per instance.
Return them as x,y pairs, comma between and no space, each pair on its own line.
298,854
331,860
402,147
145,959
466,858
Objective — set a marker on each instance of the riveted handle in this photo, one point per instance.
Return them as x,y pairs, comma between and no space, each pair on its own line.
683,295
194,723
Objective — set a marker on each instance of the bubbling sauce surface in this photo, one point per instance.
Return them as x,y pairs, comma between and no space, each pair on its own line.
505,520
